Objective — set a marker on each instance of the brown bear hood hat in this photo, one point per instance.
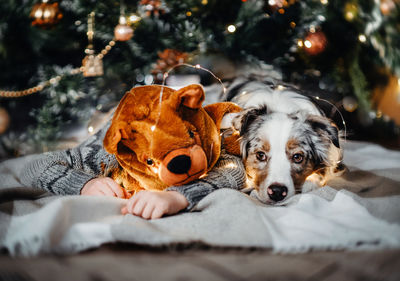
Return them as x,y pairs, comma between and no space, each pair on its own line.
163,137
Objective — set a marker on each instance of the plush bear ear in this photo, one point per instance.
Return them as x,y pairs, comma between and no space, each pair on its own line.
191,96
113,136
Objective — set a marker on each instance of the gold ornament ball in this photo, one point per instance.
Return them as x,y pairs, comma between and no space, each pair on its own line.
315,43
4,120
123,32
349,104
133,19
45,14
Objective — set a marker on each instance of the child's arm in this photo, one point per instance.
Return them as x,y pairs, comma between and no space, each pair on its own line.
66,172
229,172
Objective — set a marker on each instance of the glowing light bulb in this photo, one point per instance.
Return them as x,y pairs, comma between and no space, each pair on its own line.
308,44
90,129
362,38
231,165
46,14
231,28
300,43
152,128
38,14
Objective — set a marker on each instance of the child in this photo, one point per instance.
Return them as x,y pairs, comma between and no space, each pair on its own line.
82,170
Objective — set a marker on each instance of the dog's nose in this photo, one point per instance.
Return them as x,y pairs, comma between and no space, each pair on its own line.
277,192
179,164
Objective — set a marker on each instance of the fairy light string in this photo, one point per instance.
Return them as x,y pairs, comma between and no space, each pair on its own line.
165,76
340,113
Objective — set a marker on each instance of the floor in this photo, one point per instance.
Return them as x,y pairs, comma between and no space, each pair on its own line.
126,262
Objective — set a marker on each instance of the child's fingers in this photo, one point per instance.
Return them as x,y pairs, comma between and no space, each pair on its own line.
148,211
105,189
131,204
139,207
157,213
124,210
115,187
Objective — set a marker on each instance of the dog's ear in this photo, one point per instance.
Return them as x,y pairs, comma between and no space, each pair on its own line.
191,96
325,128
243,121
113,136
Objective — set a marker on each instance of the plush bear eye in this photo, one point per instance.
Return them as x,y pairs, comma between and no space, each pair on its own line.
297,158
149,161
191,134
261,156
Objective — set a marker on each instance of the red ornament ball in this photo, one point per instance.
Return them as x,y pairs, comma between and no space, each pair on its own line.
315,43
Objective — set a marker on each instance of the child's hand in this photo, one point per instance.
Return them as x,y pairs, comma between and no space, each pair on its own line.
155,204
104,186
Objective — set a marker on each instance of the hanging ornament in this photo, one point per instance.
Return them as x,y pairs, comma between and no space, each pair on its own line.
45,14
122,32
167,59
92,64
350,11
314,43
387,6
152,7
132,19
4,120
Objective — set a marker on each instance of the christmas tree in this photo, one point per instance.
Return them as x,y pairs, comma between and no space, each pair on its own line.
63,61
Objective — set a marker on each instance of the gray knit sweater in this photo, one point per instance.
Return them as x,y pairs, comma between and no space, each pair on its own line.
66,172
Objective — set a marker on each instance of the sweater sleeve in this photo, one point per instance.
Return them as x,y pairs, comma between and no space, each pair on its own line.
228,172
66,172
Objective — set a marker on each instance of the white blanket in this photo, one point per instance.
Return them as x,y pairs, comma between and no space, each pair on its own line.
31,224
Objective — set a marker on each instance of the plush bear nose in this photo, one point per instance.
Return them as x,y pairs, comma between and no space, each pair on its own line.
179,164
277,192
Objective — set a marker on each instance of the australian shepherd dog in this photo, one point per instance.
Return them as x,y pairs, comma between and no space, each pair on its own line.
287,144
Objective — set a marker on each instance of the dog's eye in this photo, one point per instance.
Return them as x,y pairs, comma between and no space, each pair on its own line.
297,158
191,134
261,156
149,161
